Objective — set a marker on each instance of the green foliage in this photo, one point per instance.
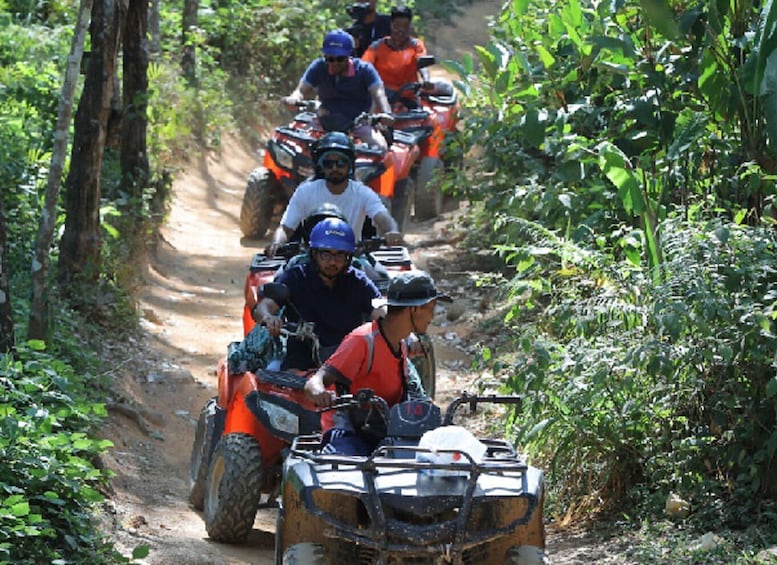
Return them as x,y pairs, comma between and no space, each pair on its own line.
50,483
636,388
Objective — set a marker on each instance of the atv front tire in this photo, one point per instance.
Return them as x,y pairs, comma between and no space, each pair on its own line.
305,554
258,205
233,488
428,196
401,201
426,366
205,438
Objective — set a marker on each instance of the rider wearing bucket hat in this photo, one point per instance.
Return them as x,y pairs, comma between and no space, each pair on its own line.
327,290
375,356
346,86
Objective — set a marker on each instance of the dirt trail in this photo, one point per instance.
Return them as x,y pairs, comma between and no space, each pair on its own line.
191,310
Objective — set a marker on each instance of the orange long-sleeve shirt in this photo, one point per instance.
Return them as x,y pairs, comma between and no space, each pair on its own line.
396,67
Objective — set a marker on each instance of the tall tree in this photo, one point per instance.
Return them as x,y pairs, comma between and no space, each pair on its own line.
134,156
155,46
81,241
6,314
38,324
189,23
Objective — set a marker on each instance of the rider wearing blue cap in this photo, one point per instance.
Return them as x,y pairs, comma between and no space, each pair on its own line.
346,86
326,290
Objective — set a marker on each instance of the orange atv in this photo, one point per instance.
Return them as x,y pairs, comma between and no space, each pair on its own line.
243,433
369,253
431,115
288,162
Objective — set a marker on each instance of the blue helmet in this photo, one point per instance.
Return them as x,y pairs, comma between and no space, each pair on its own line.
338,43
333,233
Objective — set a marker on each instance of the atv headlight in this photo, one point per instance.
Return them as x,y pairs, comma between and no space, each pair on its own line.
280,418
282,155
368,171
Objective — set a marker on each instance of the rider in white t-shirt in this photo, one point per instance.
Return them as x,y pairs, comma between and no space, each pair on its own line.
334,156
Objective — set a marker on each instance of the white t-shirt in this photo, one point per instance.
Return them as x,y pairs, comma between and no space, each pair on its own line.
356,202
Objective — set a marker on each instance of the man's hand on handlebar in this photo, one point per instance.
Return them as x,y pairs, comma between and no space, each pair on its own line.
393,238
318,394
272,249
291,101
274,325
385,119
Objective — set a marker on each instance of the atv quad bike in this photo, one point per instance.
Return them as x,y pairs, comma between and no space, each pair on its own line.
288,162
394,260
242,436
410,504
410,117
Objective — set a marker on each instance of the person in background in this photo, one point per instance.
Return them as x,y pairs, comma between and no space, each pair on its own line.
395,56
368,26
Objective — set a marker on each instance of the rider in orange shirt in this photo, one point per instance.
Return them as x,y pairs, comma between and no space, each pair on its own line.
394,57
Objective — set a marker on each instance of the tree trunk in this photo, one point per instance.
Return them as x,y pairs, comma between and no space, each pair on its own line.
81,241
7,343
134,157
155,46
38,324
189,22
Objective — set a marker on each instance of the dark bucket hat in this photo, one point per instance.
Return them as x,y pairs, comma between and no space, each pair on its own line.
413,288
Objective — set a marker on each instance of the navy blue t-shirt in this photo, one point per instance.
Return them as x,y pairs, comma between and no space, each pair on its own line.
335,311
348,94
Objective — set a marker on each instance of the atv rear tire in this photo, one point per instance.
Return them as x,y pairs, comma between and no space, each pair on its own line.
426,366
258,205
233,488
305,554
428,196
205,438
400,203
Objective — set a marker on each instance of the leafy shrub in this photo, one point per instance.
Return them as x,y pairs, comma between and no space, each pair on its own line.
49,480
635,390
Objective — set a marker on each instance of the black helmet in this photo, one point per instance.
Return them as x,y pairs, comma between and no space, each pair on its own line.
401,12
326,210
335,141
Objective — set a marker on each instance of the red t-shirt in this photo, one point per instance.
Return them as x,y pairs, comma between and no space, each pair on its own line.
365,359
396,67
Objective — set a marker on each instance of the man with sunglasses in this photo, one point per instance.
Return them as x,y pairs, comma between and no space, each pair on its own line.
334,155
327,290
346,88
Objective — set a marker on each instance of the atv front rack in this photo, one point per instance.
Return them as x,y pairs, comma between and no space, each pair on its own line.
395,488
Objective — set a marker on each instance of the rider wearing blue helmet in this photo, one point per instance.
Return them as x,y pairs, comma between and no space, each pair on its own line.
346,86
326,290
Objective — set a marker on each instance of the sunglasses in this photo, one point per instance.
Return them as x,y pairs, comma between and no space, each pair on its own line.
338,256
339,59
331,163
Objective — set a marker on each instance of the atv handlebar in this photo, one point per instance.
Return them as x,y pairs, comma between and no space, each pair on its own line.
473,400
366,397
